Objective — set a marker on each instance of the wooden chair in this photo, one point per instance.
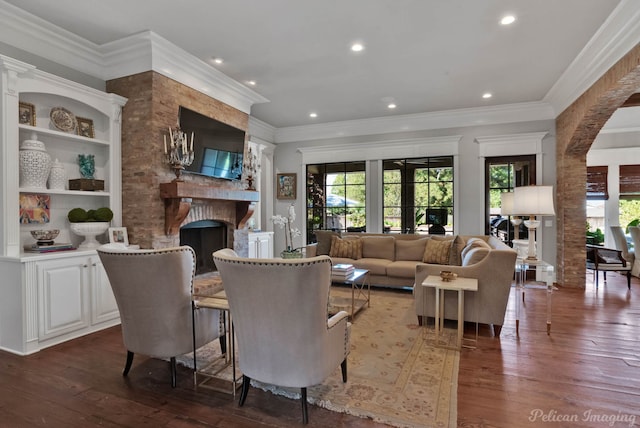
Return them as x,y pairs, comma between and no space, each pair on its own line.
601,259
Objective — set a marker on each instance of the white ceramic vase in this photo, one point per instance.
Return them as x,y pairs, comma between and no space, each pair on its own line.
57,176
35,163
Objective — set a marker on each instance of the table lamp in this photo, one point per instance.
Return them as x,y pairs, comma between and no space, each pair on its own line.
533,201
506,208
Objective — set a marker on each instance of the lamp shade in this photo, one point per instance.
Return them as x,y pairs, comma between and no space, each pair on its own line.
506,203
533,200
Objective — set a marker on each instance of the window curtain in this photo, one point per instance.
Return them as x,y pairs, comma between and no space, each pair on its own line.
629,181
597,183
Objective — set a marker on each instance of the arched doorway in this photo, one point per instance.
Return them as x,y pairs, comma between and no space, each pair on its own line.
576,129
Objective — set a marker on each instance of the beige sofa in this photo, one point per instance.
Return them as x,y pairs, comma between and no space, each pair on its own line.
398,260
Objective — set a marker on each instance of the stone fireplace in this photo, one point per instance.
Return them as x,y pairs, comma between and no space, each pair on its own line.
206,217
154,207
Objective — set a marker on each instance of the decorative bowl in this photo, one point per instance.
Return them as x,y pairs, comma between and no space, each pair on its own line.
45,236
90,230
448,275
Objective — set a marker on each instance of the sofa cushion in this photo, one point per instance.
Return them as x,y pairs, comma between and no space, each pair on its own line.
323,237
379,247
437,251
350,248
455,257
410,250
473,243
375,266
475,255
402,269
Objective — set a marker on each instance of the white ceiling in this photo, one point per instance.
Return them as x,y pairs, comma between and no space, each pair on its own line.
426,55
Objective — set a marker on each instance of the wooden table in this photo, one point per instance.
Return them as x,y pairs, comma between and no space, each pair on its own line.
460,285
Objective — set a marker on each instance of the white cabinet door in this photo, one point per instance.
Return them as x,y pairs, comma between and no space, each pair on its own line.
103,303
62,296
261,245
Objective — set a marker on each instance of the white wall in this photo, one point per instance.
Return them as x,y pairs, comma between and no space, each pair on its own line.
469,168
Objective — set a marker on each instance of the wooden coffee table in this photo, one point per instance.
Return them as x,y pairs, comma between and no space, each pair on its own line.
360,292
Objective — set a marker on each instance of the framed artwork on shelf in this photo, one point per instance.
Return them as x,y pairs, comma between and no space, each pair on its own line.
85,127
118,235
26,114
286,186
34,208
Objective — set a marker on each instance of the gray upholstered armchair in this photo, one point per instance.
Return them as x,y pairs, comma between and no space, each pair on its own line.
153,292
279,311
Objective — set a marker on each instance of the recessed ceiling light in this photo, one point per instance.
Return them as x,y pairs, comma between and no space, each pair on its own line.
507,19
487,95
392,106
313,115
218,60
357,47
251,82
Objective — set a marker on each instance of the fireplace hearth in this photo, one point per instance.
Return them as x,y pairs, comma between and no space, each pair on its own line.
205,237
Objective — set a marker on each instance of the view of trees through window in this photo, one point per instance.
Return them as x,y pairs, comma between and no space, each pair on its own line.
336,197
410,187
503,175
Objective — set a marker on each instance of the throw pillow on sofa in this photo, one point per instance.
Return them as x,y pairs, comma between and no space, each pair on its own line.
437,251
350,248
410,250
378,247
323,237
474,243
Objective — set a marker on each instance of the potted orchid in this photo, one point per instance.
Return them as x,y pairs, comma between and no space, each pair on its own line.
291,232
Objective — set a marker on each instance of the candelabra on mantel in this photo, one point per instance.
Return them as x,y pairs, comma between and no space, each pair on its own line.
179,153
251,168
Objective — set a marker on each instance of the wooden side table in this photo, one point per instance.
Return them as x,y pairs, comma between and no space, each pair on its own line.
460,285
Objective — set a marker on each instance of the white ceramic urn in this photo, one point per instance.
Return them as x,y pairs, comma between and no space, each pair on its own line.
35,163
57,176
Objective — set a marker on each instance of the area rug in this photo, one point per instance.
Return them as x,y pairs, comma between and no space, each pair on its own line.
395,374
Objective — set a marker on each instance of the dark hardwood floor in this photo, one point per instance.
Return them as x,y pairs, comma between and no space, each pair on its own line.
589,363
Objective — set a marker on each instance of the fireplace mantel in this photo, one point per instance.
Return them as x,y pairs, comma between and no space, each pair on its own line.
177,197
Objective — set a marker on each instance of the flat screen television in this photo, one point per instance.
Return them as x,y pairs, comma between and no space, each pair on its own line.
218,148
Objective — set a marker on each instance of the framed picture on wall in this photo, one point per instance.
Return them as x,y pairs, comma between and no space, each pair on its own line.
85,127
26,114
118,235
286,186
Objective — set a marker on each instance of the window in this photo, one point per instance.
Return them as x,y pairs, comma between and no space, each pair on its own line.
418,195
336,197
503,175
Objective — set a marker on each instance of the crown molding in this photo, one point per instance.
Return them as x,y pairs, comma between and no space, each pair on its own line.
507,113
511,144
261,130
387,149
615,38
32,34
133,54
148,51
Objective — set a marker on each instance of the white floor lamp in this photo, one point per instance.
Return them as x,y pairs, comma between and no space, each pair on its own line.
533,201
